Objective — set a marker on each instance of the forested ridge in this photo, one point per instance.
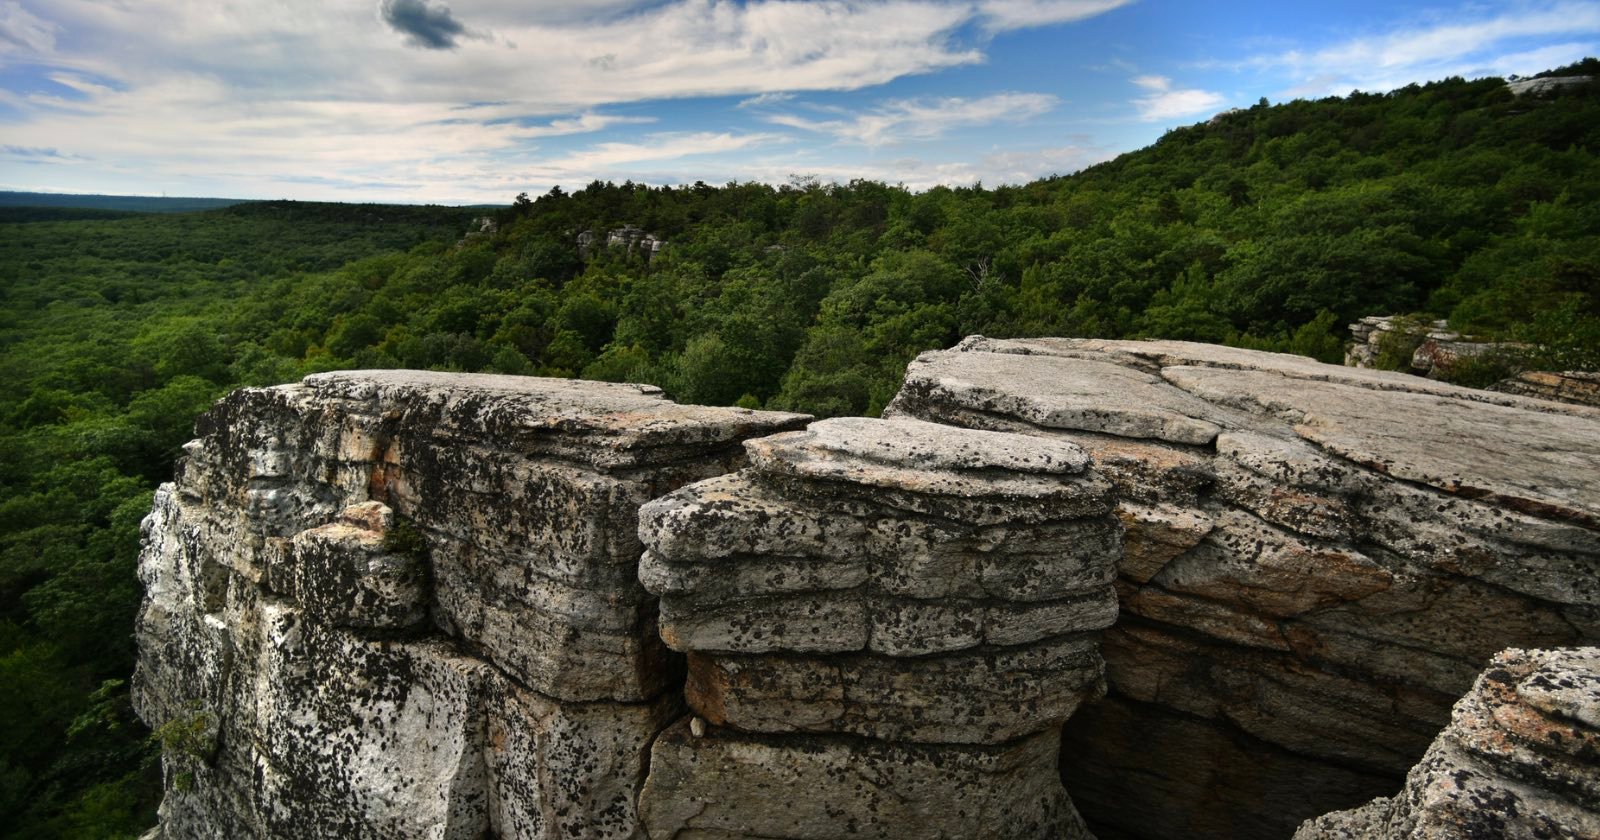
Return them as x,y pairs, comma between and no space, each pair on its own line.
1271,227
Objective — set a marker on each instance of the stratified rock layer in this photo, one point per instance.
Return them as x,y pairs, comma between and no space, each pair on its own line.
1520,759
1577,387
1319,560
394,604
886,623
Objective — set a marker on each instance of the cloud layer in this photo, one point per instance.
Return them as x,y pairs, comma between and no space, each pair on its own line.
898,121
474,100
1449,45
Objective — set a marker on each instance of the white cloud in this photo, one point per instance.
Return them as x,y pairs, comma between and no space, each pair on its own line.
247,94
903,120
776,97
581,124
1469,44
1002,15
1528,62
607,157
23,32
993,169
1165,103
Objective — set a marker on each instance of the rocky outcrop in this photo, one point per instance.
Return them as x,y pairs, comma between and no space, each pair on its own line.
404,605
1428,349
1576,387
630,238
886,620
394,604
1318,562
1520,758
1547,85
481,227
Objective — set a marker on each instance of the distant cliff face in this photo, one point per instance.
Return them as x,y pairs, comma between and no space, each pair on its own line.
403,605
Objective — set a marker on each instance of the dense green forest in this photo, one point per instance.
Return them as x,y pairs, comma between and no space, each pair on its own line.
1271,227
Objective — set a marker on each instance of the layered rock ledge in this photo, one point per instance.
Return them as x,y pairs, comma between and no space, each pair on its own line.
887,620
410,605
1319,561
392,604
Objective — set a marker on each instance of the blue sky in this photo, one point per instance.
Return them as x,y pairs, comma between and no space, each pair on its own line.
465,101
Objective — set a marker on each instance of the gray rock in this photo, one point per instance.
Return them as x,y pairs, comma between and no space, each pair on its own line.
1056,393
402,605
965,475
881,618
343,575
984,695
728,785
1549,467
1517,760
568,769
1321,581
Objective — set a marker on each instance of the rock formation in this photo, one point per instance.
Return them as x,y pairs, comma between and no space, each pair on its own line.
1318,562
1547,85
1429,349
1520,758
1576,387
406,605
888,620
401,605
631,238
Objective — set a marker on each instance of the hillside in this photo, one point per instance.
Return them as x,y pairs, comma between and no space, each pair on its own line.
1269,227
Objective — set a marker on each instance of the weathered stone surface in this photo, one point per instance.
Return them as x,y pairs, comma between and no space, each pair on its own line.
765,561
1321,578
1576,387
726,785
343,575
389,604
886,624
981,696
404,605
936,470
1153,356
1548,467
1056,393
568,769
1520,759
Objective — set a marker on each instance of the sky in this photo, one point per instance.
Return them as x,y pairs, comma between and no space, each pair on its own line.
474,101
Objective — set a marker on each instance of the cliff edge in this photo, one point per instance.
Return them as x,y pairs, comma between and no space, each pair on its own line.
397,604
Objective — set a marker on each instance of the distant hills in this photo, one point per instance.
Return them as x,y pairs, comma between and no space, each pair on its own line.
123,203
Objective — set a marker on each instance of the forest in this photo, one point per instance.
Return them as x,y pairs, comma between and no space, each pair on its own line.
1270,227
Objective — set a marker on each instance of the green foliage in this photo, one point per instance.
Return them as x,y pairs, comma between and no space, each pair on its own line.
116,330
1396,347
404,539
191,736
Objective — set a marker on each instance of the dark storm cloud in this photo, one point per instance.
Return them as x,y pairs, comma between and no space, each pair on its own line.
426,26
